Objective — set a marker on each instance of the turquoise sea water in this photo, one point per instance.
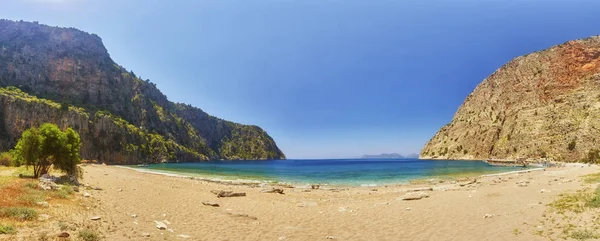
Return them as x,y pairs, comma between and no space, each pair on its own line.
334,172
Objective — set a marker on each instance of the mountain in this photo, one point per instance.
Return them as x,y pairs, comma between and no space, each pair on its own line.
545,104
66,76
384,155
412,155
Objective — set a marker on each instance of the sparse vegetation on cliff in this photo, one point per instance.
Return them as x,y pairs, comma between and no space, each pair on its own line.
542,105
71,81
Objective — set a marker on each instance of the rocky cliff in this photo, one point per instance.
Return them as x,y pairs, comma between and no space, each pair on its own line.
545,104
66,76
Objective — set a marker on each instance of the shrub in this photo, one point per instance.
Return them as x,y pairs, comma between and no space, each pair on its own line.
592,156
572,145
88,235
584,235
19,213
9,158
7,229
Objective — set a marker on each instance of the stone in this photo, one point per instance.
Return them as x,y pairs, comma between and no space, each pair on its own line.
330,237
544,191
183,236
160,225
145,235
134,215
64,235
415,196
85,194
76,188
98,188
43,217
407,209
212,204
488,215
43,204
274,190
95,218
315,186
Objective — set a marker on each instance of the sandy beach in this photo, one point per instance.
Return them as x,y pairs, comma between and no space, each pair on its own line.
130,202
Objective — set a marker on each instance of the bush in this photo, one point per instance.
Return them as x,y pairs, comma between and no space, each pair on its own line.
9,158
88,235
572,145
19,213
592,156
7,229
49,146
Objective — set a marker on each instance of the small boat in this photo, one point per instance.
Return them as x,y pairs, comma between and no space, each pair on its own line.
506,163
142,165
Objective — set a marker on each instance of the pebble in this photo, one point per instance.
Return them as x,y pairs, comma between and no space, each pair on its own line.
85,194
146,235
134,215
183,236
488,215
96,218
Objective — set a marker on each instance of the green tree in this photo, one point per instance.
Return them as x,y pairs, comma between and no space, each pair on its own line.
48,145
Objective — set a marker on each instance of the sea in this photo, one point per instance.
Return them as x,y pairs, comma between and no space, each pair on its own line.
341,172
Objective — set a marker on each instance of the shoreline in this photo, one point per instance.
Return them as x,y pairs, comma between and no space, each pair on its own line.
487,207
261,183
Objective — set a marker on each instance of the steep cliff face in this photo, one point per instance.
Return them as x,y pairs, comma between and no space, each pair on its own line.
69,67
545,104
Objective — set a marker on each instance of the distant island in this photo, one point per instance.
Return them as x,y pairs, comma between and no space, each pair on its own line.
383,155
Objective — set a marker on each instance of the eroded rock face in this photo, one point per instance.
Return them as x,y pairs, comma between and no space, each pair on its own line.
122,119
545,104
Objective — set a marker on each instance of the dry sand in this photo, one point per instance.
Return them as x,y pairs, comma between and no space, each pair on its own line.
450,212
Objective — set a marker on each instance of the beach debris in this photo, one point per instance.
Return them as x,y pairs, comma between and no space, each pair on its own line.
415,196
239,215
230,194
307,204
315,186
43,217
467,182
95,218
209,203
85,194
407,209
183,236
544,191
330,237
134,215
43,204
145,235
523,183
160,225
487,215
420,189
64,235
274,190
120,190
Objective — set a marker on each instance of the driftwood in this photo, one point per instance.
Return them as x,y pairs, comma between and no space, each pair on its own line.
468,183
221,193
274,190
212,204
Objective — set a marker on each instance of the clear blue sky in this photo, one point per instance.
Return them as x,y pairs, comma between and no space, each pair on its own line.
325,78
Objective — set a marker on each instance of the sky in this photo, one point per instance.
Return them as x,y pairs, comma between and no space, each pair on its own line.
325,78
